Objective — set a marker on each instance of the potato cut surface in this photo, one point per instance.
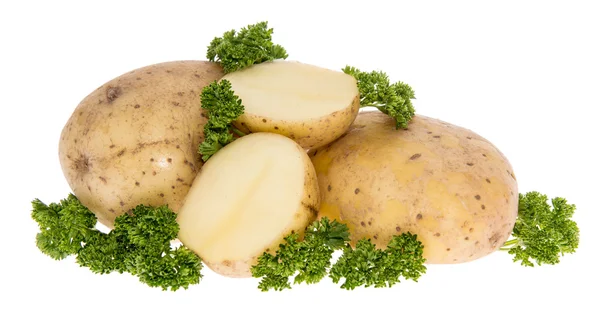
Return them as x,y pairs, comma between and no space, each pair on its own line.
288,90
245,199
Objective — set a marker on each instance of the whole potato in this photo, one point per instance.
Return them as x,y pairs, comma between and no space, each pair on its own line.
448,185
134,140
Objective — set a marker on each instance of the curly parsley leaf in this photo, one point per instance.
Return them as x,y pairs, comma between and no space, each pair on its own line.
404,257
308,259
104,254
367,266
223,108
392,99
64,226
542,234
321,239
251,45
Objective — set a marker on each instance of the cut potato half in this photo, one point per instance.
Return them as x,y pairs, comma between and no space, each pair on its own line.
246,199
309,104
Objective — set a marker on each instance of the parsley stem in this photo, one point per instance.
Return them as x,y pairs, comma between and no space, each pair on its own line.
378,105
509,244
236,131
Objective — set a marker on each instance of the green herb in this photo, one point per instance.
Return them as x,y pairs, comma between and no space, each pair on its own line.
251,45
223,108
368,266
392,99
309,258
542,233
64,227
139,243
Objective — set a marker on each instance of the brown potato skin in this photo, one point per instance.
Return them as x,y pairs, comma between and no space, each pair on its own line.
134,140
307,213
310,134
445,183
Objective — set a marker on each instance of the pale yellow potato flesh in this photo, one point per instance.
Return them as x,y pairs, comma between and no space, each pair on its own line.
448,185
246,199
309,104
134,140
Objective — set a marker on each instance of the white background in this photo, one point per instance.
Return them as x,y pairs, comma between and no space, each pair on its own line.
525,75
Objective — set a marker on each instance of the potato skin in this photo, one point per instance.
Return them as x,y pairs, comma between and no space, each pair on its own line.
134,139
310,134
448,185
307,213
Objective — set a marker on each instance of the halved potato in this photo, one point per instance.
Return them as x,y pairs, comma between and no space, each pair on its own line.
311,105
246,199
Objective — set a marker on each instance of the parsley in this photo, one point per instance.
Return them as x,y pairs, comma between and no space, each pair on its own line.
542,234
64,227
309,259
251,45
234,51
365,265
392,99
139,243
223,108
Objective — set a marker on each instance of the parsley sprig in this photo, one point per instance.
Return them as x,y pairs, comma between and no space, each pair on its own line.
542,234
251,45
376,90
223,108
307,259
139,243
365,265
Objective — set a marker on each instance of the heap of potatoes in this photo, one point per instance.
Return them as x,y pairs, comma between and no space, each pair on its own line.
308,153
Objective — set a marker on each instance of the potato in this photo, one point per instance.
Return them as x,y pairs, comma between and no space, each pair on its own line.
309,104
247,198
135,139
448,185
